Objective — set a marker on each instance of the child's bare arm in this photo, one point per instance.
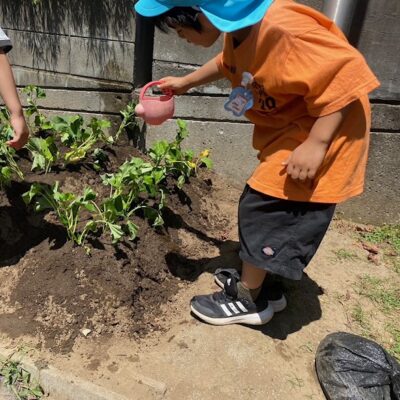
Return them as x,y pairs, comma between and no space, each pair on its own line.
207,73
306,159
7,86
9,94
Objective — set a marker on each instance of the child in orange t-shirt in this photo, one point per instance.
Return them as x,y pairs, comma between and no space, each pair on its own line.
305,88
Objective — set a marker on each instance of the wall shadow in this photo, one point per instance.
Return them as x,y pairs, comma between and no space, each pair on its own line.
94,19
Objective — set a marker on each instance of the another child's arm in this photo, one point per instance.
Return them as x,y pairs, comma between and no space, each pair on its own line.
9,94
207,73
305,160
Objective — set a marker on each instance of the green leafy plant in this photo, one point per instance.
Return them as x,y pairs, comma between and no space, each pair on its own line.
81,138
112,215
40,122
129,177
8,165
143,186
129,119
70,129
138,186
18,380
44,153
69,208
176,161
6,130
133,183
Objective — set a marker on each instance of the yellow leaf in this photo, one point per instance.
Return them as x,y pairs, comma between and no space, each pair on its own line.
204,153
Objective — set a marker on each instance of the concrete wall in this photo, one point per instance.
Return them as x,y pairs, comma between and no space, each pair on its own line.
82,52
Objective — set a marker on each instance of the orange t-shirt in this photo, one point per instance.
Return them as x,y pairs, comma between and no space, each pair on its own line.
303,68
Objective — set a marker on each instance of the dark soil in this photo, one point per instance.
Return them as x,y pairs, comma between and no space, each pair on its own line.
52,289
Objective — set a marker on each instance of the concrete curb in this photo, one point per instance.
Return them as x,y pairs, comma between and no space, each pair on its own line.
69,387
65,386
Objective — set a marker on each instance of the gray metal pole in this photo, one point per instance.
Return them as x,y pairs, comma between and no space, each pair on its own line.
342,12
144,44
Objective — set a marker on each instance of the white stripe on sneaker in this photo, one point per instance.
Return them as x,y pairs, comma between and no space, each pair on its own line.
241,306
234,309
226,311
258,318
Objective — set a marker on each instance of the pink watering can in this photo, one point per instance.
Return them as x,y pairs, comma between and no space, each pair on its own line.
155,110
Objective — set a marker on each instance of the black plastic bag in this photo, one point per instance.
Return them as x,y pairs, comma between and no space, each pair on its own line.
350,367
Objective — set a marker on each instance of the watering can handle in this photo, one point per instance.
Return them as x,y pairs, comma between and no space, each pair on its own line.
149,85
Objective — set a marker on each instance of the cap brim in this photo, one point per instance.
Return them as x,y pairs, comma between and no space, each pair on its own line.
150,8
212,10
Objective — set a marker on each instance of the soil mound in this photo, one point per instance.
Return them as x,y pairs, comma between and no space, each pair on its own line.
52,289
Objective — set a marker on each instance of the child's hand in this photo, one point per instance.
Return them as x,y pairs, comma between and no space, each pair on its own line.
306,159
177,85
21,131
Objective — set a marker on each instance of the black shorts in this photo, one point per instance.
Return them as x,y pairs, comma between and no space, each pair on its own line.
281,236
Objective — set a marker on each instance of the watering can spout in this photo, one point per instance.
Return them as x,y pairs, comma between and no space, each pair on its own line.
155,110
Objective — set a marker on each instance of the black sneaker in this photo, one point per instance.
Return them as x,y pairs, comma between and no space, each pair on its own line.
272,291
223,308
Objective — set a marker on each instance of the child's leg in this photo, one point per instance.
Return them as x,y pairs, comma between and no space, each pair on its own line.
252,277
271,289
251,281
277,237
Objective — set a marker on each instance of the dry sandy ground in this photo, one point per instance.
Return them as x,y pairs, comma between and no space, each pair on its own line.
199,361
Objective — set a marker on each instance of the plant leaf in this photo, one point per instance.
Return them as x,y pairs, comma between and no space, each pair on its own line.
116,232
133,230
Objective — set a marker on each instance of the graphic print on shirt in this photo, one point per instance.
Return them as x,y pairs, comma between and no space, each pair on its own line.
265,102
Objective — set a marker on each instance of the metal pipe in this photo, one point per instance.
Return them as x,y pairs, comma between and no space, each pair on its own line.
144,44
342,12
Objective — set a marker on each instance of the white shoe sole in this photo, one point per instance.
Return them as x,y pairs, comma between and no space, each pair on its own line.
277,305
260,318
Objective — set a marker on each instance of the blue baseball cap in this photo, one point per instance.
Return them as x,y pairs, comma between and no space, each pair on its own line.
225,15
